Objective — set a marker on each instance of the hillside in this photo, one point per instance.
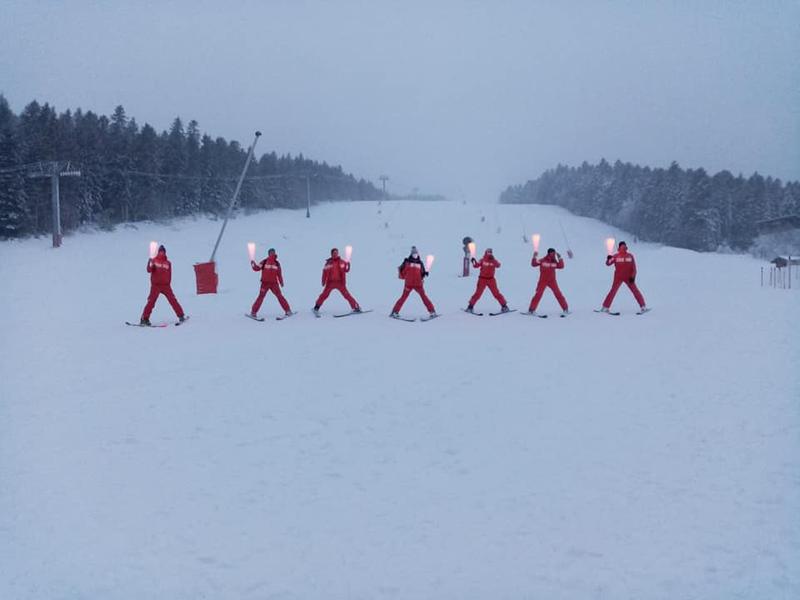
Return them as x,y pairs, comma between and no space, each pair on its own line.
649,456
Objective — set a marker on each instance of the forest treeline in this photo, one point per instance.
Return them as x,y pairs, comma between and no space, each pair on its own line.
687,208
132,173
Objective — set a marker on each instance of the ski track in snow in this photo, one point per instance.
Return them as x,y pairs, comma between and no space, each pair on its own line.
651,456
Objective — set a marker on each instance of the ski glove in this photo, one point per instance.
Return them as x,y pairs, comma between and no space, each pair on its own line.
608,257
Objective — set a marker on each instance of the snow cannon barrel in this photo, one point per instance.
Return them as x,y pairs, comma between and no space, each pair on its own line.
535,239
429,262
153,249
472,249
348,252
251,250
610,245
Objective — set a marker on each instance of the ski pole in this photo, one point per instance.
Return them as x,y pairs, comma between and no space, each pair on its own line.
566,241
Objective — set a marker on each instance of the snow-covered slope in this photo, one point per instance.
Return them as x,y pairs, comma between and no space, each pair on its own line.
508,457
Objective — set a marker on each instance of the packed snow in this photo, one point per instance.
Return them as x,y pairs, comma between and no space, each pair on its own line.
652,456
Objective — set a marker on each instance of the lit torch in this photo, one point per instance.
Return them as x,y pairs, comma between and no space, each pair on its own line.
153,249
429,262
535,239
251,250
471,247
610,245
348,252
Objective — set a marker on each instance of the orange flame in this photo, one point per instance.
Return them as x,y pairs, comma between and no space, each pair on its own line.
472,249
429,261
251,250
153,249
535,239
348,252
610,245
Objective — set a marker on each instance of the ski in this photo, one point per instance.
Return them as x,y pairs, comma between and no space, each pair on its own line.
507,312
613,314
430,318
644,310
473,313
361,312
282,317
530,314
259,319
185,318
406,319
140,325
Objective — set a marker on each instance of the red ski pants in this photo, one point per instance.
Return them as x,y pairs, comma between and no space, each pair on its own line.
540,288
483,283
421,291
155,291
275,289
342,290
615,286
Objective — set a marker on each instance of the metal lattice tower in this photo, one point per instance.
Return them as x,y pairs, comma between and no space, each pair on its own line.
54,169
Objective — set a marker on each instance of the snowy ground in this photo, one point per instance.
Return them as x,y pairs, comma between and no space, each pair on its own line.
509,457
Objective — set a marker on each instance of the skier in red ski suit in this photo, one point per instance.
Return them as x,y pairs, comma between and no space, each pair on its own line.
160,270
547,279
488,264
624,272
271,281
334,277
412,271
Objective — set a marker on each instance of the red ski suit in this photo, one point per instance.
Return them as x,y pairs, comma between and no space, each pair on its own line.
413,271
547,279
160,270
624,272
334,277
271,281
488,264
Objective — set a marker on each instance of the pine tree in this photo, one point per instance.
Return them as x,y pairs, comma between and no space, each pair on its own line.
14,214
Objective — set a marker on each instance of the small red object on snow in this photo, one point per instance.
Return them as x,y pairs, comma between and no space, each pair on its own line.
206,278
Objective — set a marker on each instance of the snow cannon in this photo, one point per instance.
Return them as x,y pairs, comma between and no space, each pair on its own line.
535,239
429,262
153,249
251,250
466,241
206,273
348,252
610,245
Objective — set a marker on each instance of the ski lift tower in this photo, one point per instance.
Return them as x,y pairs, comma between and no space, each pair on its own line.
55,170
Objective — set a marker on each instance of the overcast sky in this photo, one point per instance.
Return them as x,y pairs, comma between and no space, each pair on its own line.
462,98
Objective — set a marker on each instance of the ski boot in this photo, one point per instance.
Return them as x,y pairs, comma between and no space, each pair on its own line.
504,308
469,309
144,322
